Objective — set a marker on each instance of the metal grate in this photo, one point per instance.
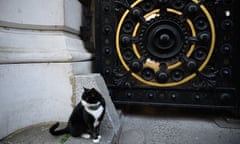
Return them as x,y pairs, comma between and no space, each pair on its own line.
169,52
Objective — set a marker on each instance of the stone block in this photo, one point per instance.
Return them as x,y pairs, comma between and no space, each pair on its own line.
45,15
26,46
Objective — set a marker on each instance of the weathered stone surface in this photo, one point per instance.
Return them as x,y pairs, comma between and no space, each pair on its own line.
35,134
34,14
40,52
165,126
144,126
132,136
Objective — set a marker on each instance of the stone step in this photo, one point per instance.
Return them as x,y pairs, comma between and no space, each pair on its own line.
38,134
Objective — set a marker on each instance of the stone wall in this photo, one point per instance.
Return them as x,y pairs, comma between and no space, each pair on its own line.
40,53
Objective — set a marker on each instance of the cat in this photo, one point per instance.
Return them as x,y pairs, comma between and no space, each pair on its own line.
86,117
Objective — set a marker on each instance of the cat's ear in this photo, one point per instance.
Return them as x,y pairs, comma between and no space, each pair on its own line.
85,89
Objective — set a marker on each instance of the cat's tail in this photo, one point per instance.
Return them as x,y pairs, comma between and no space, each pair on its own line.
55,132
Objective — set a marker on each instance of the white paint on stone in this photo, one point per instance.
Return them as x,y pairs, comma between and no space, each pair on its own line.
34,93
40,52
34,46
41,14
72,14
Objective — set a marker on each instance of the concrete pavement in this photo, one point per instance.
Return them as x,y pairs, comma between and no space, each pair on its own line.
156,125
150,125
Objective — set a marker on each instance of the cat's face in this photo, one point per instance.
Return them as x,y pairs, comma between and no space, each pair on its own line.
91,96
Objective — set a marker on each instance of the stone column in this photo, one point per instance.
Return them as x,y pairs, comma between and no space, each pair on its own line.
40,53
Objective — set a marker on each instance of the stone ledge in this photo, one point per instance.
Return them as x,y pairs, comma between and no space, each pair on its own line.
27,46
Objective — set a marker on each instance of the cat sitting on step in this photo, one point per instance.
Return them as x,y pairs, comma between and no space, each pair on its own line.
86,117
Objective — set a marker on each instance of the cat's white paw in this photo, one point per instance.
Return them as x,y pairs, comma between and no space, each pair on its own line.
86,136
97,140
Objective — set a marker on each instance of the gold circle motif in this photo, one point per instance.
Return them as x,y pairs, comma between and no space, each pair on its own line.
170,84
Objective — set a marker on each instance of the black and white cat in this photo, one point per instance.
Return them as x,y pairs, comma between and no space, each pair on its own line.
86,117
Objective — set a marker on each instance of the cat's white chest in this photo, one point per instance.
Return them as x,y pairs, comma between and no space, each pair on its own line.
95,113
